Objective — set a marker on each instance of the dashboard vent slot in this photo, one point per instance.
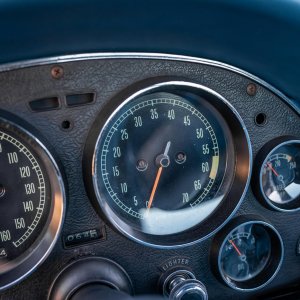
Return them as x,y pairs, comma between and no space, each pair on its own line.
44,104
80,99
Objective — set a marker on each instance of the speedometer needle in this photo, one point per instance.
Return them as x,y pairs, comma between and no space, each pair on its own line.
163,164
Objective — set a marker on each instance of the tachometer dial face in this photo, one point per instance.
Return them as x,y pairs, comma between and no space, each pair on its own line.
280,176
159,164
161,155
31,201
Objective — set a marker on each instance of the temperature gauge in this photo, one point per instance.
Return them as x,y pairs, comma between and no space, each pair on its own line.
279,178
249,253
246,252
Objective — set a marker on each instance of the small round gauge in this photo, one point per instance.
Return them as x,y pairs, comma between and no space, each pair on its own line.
160,161
246,252
31,199
280,176
250,255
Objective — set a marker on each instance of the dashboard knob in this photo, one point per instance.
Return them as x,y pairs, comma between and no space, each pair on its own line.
182,285
189,289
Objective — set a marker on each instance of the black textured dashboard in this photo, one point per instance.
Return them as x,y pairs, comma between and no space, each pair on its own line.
64,124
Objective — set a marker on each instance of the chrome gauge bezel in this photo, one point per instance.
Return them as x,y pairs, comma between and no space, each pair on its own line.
18,269
270,270
271,149
238,182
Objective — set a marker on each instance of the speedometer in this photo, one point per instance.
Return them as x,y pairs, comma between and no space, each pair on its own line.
31,201
21,178
160,162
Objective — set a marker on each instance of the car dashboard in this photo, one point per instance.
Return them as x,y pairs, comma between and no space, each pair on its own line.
154,173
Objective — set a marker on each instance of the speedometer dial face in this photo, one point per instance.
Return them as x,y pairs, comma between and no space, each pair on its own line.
25,183
31,201
159,164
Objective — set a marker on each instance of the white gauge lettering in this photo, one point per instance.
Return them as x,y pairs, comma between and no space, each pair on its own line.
12,158
5,235
24,172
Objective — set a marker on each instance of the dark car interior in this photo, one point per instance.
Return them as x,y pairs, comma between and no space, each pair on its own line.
149,149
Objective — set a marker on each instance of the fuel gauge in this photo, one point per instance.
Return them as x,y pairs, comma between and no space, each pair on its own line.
279,178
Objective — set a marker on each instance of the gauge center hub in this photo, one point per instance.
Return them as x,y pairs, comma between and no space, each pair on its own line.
162,160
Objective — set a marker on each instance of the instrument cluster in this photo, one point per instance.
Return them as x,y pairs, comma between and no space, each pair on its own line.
181,159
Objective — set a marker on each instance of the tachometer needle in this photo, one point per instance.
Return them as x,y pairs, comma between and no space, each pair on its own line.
154,187
272,169
235,247
162,165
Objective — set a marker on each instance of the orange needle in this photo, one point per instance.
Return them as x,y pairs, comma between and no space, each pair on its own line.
166,157
154,187
235,247
273,170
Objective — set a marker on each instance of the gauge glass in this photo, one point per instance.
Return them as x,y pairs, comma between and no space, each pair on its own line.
159,158
246,252
280,176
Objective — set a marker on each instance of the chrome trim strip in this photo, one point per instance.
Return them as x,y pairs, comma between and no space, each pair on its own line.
141,55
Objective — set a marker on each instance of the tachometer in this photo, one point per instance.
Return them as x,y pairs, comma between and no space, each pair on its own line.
158,142
160,161
31,201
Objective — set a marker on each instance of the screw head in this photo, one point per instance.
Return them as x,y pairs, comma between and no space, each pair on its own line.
142,165
57,72
251,89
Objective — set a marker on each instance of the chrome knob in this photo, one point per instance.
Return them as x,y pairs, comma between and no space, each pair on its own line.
182,285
